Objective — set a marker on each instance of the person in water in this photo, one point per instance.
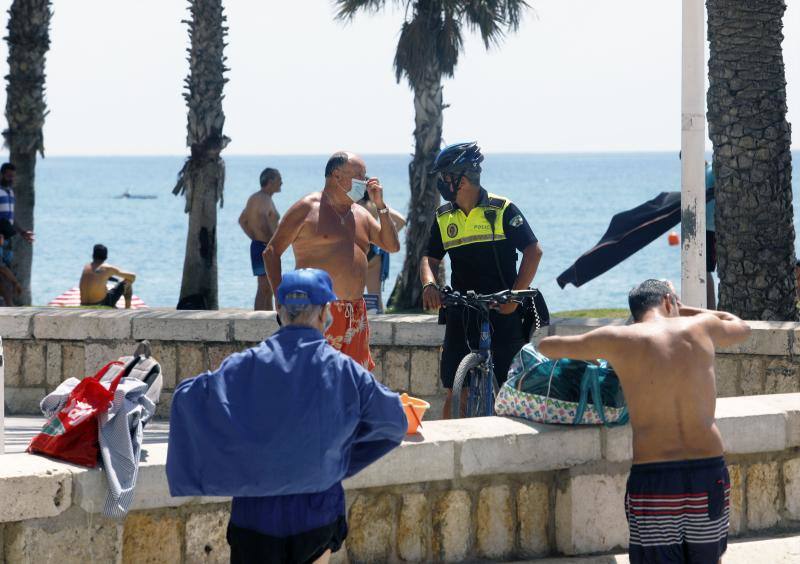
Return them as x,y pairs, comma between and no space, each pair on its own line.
677,499
95,277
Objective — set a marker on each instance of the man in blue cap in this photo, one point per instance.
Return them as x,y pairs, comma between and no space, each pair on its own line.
278,427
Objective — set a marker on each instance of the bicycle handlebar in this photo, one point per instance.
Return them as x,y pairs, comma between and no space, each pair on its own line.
470,298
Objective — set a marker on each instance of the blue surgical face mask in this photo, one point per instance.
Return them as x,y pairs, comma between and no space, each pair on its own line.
358,186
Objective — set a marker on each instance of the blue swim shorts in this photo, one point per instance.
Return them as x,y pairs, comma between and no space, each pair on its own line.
678,511
256,261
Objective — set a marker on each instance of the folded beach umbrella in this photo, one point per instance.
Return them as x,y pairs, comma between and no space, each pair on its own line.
629,232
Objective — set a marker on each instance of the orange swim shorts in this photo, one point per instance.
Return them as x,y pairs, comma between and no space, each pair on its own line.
349,332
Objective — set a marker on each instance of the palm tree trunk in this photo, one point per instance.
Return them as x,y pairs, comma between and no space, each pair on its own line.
202,178
428,107
752,159
28,41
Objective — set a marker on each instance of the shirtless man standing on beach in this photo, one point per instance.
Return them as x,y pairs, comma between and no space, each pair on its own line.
677,499
259,220
329,231
96,274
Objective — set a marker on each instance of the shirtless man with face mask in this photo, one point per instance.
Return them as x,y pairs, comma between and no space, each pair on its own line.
329,231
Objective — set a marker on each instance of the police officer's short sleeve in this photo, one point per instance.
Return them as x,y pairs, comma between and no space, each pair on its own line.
517,228
435,245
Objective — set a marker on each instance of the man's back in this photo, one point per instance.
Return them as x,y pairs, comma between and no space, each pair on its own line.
94,278
260,217
667,372
295,406
93,282
676,495
665,362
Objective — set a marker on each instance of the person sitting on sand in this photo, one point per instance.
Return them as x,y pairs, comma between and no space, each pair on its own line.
96,275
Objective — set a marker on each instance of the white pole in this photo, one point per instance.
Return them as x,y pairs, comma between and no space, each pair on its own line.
693,134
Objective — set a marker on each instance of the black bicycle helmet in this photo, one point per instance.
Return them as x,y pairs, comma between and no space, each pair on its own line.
458,158
455,161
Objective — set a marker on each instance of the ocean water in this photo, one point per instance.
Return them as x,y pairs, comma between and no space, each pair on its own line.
568,199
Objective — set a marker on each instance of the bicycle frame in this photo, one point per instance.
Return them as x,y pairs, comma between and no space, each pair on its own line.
480,398
485,350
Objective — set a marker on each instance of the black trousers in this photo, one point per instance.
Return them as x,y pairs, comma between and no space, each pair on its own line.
252,547
462,331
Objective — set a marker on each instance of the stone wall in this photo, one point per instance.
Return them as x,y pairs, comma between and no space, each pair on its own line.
44,346
489,488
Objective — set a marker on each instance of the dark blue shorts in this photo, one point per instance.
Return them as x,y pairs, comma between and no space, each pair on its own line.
678,511
256,260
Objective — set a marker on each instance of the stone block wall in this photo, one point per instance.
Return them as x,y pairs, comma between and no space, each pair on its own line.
44,346
465,490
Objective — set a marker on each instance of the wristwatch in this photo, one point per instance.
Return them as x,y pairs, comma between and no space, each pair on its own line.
384,210
434,284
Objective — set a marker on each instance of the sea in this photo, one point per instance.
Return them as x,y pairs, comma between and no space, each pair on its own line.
569,200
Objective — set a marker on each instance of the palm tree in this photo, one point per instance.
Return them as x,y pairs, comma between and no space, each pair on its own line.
28,41
430,42
752,159
203,175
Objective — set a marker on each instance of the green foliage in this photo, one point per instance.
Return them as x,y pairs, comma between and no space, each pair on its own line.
594,313
431,36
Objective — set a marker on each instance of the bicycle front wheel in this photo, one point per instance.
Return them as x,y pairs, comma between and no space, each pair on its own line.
483,391
468,364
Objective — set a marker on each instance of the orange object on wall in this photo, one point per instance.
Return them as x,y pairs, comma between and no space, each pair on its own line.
415,409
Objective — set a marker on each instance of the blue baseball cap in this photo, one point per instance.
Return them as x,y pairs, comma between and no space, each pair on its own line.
306,286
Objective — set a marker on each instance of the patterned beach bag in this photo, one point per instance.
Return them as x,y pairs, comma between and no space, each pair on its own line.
563,391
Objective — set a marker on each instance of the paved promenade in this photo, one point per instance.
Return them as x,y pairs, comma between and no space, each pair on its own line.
784,550
20,430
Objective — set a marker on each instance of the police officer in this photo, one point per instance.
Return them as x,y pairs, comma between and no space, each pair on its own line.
482,233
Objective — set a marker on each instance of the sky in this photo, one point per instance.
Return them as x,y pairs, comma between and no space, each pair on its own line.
578,76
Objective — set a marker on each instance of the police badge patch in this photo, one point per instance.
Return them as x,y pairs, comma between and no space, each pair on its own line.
452,230
516,221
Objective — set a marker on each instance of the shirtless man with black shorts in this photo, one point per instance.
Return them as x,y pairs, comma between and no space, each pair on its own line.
677,499
96,275
329,231
258,220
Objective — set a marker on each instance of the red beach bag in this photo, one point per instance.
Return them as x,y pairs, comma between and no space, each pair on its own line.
72,433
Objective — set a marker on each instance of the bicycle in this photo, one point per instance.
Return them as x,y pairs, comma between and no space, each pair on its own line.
478,364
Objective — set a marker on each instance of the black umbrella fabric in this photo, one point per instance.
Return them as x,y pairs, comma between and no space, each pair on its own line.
629,232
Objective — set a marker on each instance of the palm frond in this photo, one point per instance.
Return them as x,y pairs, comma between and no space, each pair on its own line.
513,13
492,18
415,48
449,44
347,9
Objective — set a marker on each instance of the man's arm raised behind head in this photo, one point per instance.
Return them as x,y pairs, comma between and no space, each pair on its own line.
724,328
604,342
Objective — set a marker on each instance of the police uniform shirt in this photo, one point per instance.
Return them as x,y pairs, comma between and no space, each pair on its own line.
469,241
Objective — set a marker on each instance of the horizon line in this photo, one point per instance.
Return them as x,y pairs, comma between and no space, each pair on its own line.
376,154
